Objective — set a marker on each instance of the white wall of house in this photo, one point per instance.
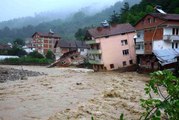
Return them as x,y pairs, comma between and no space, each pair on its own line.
161,44
140,36
167,31
83,51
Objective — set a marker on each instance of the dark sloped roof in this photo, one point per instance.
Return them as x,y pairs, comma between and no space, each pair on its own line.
46,35
66,44
111,30
166,16
81,44
71,44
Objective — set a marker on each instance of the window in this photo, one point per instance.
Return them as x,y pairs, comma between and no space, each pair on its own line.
149,20
130,61
97,47
124,63
125,52
175,31
100,57
137,47
176,45
138,35
172,45
111,66
123,42
154,20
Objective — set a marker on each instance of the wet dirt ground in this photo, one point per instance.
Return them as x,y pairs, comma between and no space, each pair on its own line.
72,94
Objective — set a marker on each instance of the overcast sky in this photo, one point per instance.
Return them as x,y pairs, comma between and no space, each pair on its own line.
10,9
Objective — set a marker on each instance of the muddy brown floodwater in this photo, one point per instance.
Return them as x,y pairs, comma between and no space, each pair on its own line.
72,94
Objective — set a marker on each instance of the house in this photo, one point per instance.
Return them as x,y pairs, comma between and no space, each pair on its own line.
4,48
111,46
155,32
64,46
28,47
42,42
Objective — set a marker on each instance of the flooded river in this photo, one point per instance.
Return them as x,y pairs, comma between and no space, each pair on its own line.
74,94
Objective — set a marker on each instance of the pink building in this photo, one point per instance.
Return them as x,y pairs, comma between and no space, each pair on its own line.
111,47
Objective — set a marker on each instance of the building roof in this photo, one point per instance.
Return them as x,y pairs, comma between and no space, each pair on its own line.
66,44
166,56
4,47
71,44
47,35
165,16
111,30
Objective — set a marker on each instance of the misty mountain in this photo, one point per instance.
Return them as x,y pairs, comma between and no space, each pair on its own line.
66,26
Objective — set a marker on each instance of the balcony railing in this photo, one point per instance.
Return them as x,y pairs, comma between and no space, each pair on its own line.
92,51
91,42
171,37
139,51
95,62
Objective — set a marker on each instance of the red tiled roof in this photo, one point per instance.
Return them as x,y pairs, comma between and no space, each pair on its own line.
111,30
46,35
4,47
166,16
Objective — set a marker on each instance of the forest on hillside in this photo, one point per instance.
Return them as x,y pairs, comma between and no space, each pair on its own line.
134,13
65,28
74,27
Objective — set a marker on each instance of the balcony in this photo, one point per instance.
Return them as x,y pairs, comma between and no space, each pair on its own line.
99,62
171,37
140,51
92,51
91,42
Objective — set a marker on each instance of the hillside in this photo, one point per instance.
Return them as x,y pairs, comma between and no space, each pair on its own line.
66,28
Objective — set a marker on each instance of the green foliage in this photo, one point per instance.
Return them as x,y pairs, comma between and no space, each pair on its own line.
19,42
136,12
25,27
80,34
26,61
121,117
35,54
114,18
50,55
16,51
166,105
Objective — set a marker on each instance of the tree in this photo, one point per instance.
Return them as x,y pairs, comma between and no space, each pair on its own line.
35,54
50,55
114,19
19,42
166,106
16,51
80,34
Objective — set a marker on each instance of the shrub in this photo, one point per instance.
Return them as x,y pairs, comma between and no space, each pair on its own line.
35,54
50,55
26,61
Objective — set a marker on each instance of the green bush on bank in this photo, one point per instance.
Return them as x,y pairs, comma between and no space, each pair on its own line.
26,61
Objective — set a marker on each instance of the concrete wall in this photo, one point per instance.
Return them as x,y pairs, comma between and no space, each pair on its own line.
112,50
